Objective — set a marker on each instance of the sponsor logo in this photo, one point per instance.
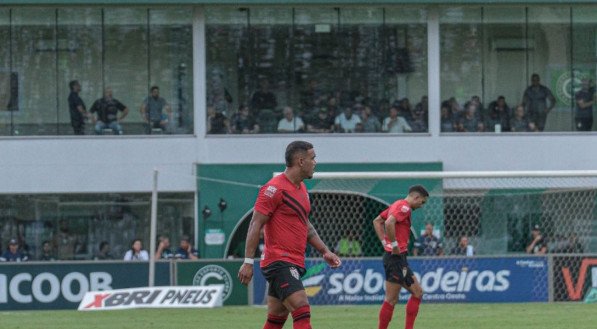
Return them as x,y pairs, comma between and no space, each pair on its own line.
214,274
405,209
575,290
163,297
25,288
294,273
270,191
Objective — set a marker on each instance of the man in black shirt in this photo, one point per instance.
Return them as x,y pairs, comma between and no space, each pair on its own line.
77,109
585,98
107,109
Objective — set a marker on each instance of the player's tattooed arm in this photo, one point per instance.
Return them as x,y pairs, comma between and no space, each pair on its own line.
314,239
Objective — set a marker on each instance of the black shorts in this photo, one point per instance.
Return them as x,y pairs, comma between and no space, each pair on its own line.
284,279
394,263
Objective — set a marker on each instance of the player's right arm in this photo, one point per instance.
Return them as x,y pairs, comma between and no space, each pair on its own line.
379,227
390,226
246,270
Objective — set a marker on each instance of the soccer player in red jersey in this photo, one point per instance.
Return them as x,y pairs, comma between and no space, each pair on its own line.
393,229
282,209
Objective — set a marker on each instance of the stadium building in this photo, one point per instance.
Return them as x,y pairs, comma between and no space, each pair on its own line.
209,58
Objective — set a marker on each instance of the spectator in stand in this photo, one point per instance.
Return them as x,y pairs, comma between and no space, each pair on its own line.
155,111
290,123
428,244
136,253
186,250
163,251
370,122
13,254
418,121
498,118
323,122
585,98
447,123
243,122
47,253
538,244
77,109
463,248
455,108
332,106
103,252
217,122
263,99
470,120
107,109
395,123
64,242
477,101
217,94
312,97
346,121
538,100
383,108
404,108
519,123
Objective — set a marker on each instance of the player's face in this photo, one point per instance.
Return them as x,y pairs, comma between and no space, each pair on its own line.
419,201
307,163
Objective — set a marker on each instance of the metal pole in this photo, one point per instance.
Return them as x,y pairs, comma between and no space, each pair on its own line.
153,228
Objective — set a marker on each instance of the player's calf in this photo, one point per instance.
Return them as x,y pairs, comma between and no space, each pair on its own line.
275,321
302,317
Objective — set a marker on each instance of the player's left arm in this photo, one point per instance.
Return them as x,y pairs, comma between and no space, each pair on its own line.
314,240
379,227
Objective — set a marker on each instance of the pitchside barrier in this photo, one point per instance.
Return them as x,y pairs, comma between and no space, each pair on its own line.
519,278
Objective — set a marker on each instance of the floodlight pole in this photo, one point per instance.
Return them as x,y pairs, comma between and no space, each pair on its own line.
153,229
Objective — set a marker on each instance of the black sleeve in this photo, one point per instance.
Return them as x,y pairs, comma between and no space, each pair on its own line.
120,106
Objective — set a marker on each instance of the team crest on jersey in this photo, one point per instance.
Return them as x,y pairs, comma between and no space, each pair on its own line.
294,273
270,191
405,209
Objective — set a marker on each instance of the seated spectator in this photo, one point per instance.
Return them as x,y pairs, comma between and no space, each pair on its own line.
395,123
346,121
447,122
463,248
428,244
571,245
312,97
519,122
332,106
163,251
136,253
371,123
263,99
498,116
155,111
217,122
323,122
455,108
243,122
103,253
186,250
47,253
64,242
470,121
423,105
349,245
290,123
13,254
107,109
418,121
538,244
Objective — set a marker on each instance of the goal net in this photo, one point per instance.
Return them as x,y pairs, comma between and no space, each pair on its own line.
499,213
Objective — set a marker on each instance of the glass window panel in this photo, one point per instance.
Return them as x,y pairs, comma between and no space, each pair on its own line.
126,65
79,58
584,55
5,74
171,67
75,224
34,62
549,30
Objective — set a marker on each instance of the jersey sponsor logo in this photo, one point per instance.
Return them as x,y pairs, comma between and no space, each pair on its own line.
270,191
214,274
405,209
294,273
156,297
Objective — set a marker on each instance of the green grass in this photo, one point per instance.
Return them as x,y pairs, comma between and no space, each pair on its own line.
436,316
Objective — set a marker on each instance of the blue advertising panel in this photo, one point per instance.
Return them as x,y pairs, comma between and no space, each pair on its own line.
445,280
62,285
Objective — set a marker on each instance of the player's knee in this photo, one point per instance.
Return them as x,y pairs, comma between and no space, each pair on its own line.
417,291
391,301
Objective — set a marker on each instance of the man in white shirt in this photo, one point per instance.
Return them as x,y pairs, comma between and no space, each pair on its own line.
346,122
289,123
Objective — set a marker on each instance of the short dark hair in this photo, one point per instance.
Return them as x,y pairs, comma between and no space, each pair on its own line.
102,245
72,84
418,189
296,147
154,88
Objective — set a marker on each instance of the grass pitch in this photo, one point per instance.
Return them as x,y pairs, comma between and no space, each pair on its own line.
436,316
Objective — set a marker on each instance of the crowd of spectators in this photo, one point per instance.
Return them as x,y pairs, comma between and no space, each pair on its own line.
353,112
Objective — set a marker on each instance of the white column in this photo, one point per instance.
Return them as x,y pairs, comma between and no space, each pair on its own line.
433,70
199,72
